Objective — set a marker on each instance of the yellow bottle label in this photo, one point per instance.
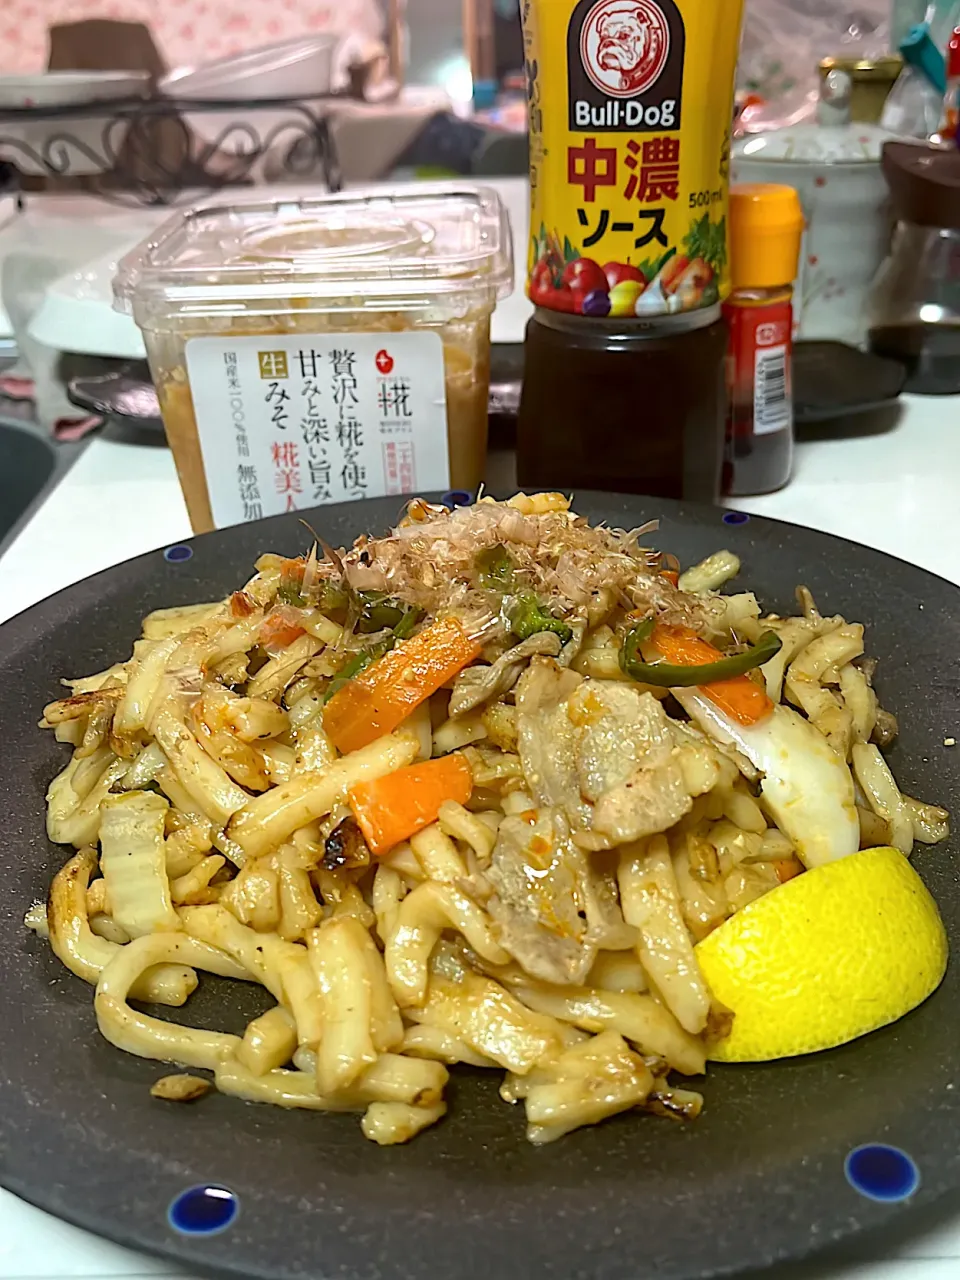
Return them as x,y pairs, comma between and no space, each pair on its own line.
631,105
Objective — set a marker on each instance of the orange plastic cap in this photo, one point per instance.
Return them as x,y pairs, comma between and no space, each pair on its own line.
766,225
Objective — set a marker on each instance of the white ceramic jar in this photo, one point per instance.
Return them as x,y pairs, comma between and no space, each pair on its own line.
835,168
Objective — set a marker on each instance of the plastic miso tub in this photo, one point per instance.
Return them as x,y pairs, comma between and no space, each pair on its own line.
312,350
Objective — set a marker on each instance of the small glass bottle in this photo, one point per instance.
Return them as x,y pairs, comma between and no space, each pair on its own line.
766,225
913,311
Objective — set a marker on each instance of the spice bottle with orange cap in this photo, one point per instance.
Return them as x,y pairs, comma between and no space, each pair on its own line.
766,225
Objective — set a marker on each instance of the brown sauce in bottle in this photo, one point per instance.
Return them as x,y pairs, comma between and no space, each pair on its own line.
638,410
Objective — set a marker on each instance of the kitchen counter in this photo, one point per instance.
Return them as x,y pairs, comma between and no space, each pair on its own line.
892,482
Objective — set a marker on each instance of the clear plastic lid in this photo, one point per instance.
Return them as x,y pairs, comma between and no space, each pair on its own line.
393,247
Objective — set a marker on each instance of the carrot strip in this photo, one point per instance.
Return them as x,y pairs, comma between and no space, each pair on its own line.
671,576
787,868
740,698
375,701
277,632
397,806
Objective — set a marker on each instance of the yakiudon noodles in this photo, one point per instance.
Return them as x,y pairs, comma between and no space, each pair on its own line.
467,793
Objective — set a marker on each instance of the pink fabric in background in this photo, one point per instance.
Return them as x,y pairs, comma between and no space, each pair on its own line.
187,31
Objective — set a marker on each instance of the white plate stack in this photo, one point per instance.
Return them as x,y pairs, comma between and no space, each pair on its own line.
294,69
69,145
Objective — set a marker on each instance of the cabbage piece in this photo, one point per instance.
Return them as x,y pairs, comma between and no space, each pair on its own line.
133,861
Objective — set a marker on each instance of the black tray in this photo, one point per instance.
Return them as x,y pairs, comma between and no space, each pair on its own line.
758,1179
830,380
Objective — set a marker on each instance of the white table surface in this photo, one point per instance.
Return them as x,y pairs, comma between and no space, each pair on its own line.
895,485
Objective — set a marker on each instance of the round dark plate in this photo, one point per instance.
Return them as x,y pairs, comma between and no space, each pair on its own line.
758,1179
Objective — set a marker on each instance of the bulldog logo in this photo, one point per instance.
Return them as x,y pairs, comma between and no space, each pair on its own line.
624,46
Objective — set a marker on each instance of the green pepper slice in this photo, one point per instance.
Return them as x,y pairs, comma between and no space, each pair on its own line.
528,617
379,611
496,568
526,614
366,657
667,675
331,597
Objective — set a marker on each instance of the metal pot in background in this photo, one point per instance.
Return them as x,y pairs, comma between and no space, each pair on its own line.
834,165
871,80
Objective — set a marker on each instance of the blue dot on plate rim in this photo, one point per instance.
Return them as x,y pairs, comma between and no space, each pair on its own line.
203,1210
178,554
882,1173
735,517
457,498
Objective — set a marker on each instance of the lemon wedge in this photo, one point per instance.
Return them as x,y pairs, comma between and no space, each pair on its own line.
829,956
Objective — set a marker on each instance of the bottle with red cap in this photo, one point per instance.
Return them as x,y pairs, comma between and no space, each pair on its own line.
949,120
